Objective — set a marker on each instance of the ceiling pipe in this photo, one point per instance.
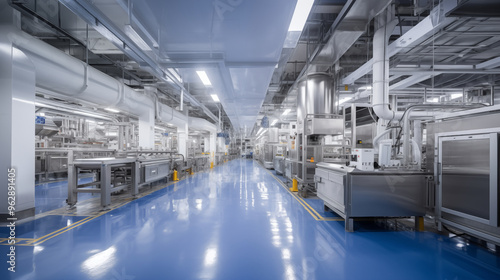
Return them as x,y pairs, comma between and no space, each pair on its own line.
101,24
202,124
65,75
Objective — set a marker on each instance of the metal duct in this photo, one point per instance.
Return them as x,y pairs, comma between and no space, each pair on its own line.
202,124
315,96
380,101
70,77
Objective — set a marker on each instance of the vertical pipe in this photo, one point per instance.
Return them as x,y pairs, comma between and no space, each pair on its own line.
353,126
417,135
492,89
120,137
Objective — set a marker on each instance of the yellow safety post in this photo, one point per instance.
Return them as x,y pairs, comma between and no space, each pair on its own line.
175,176
419,223
211,165
191,171
312,159
295,185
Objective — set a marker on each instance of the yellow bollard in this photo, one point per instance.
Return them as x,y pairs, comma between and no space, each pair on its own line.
191,171
295,185
175,176
211,165
312,159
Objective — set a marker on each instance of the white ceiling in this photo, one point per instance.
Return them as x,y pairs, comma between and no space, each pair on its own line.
237,42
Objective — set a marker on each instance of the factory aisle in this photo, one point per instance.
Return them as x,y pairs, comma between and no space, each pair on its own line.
233,222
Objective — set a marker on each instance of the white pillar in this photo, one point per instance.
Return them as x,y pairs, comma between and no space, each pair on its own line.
213,146
147,130
17,122
182,138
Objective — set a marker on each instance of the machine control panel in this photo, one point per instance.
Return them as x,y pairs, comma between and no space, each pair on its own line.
363,159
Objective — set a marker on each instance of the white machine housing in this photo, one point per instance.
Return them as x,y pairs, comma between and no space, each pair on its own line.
363,159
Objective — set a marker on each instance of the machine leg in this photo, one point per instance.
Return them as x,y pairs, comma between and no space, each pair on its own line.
135,178
419,223
72,183
105,186
349,225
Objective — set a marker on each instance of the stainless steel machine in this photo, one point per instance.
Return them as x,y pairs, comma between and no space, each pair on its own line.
353,193
123,172
316,118
466,168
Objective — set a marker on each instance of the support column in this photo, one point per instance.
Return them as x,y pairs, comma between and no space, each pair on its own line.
213,146
146,130
17,122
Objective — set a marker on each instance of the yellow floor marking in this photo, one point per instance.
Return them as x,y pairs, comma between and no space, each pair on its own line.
306,205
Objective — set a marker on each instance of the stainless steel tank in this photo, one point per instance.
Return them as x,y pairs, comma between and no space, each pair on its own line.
315,95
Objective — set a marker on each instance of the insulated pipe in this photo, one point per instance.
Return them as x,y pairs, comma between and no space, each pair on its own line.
381,66
65,75
408,114
378,137
202,124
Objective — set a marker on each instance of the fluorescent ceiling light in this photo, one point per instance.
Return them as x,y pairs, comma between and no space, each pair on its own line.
274,122
286,112
433,100
159,128
366,88
204,78
456,95
42,114
302,10
112,110
136,38
215,97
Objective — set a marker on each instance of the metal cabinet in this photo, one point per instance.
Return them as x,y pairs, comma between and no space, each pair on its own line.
467,169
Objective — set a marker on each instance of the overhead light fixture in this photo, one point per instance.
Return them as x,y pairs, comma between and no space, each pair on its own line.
433,100
204,78
136,38
160,128
215,97
366,88
300,15
90,121
274,122
42,114
286,112
112,110
456,95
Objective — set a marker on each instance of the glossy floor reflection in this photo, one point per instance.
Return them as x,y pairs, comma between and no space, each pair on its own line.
238,222
53,195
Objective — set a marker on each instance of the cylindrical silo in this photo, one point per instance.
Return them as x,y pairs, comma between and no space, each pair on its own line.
315,95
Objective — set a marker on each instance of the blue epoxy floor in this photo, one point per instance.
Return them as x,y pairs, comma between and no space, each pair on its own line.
50,196
238,222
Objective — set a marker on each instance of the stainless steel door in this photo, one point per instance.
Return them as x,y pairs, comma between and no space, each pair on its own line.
468,167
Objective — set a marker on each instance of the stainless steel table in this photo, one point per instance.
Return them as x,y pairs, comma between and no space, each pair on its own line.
353,193
105,168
